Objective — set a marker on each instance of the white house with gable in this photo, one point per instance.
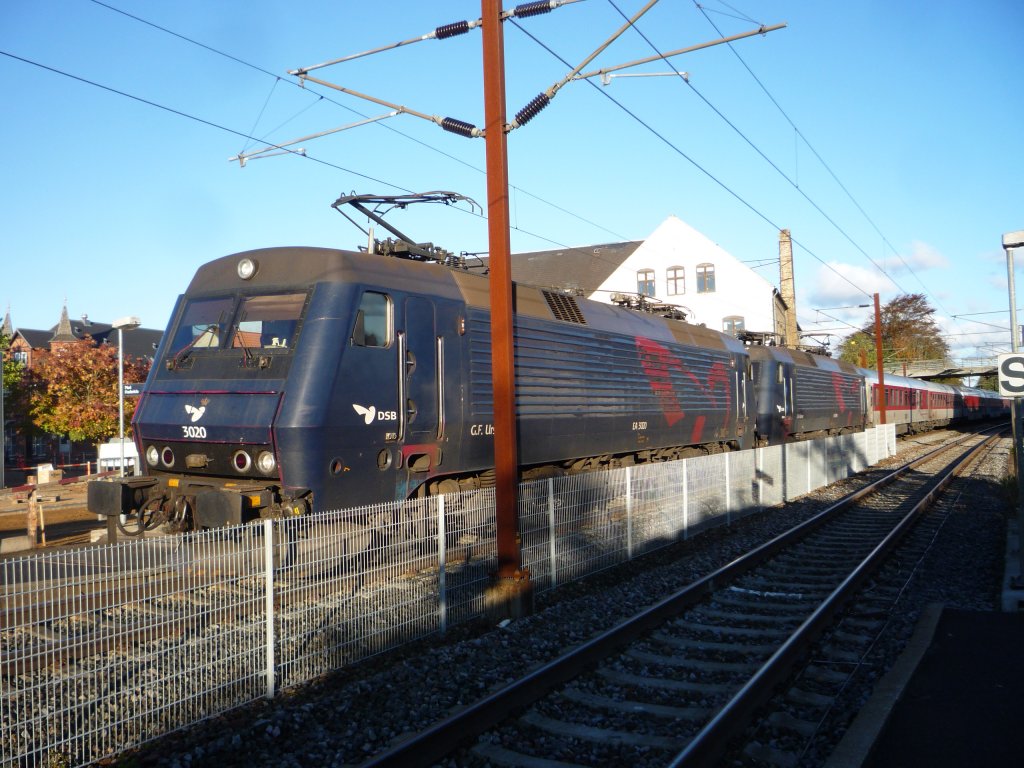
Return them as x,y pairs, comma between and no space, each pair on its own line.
676,265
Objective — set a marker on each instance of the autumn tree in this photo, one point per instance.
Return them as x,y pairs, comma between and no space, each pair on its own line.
15,412
909,332
73,390
11,368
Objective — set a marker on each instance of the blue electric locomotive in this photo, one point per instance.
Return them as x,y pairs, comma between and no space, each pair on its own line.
293,379
299,379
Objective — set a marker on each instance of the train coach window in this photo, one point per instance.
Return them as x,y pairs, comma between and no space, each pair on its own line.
202,324
373,321
268,322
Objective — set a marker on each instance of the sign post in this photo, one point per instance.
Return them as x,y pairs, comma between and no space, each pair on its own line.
121,325
1011,384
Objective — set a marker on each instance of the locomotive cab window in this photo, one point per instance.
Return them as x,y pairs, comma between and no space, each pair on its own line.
268,322
202,324
373,321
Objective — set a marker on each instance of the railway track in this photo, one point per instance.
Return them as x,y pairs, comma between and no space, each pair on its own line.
683,681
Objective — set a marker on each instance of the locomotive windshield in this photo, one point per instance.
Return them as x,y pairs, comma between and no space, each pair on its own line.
232,322
202,324
268,322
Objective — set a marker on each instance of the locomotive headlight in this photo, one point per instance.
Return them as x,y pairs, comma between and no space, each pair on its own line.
247,268
266,463
167,456
242,461
152,456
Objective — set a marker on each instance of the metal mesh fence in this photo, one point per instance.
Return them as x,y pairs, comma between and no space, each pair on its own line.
771,475
106,647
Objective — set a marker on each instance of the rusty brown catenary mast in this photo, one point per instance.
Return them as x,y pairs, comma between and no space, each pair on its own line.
506,463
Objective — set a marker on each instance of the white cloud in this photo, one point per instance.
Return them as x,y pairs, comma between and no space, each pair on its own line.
922,257
838,284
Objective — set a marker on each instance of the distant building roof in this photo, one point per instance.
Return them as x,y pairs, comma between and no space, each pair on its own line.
141,342
36,339
63,333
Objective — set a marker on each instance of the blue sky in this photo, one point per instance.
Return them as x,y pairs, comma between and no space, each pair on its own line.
889,142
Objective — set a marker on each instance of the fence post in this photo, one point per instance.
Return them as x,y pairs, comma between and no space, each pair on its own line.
268,557
728,492
686,501
810,445
629,513
551,532
442,607
32,519
759,474
829,442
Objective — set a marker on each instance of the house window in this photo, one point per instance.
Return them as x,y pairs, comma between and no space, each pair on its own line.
733,324
40,445
705,278
645,282
676,281
21,356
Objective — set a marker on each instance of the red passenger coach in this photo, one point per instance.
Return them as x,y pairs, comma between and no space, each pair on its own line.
916,405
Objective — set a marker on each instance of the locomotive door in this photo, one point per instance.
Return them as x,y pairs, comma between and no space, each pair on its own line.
788,410
420,416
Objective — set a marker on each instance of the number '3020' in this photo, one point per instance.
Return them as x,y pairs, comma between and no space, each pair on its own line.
196,433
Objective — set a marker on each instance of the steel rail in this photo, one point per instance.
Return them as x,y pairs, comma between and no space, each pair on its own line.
711,742
439,740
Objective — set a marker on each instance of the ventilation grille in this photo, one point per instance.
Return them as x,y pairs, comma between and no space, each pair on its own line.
564,307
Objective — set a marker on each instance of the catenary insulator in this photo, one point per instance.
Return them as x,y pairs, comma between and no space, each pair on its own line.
458,126
451,30
527,113
533,9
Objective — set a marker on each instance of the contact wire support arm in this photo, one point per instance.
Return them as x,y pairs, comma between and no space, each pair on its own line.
450,124
443,32
541,100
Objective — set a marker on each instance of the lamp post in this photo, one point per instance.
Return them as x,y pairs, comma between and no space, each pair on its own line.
3,432
124,324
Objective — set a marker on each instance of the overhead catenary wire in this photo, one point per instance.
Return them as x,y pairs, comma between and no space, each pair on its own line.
704,11
442,32
451,124
751,143
385,126
431,148
448,123
792,182
750,206
194,118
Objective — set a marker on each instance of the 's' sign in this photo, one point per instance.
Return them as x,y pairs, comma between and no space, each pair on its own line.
1011,374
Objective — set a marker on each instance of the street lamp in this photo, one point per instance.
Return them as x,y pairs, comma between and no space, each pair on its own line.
3,432
124,324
